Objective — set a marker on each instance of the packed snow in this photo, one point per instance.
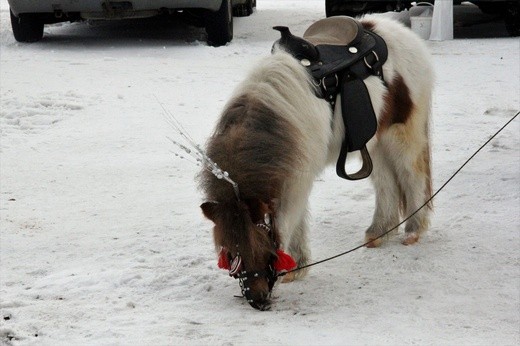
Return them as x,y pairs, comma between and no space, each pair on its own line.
103,243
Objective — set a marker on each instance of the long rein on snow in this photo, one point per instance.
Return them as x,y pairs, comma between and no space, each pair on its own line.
415,212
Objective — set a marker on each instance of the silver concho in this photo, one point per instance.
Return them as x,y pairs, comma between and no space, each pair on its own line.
267,219
236,265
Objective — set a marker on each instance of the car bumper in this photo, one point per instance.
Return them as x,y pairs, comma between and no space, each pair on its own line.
90,9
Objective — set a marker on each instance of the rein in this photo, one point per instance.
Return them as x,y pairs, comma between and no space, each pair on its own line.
415,212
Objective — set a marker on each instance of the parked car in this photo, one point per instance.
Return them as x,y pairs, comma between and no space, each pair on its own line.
508,9
28,17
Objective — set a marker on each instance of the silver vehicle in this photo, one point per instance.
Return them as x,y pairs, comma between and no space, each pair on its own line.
28,17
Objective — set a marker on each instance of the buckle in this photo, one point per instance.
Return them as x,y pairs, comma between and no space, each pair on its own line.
325,79
367,63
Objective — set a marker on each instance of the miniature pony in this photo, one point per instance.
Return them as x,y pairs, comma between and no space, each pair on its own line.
275,136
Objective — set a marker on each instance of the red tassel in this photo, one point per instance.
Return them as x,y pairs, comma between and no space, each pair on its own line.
223,260
284,262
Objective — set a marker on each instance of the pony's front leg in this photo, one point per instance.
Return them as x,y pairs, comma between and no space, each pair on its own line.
299,249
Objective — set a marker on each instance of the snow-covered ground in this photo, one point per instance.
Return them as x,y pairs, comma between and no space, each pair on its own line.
102,241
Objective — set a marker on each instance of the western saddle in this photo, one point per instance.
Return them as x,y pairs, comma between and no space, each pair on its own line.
340,53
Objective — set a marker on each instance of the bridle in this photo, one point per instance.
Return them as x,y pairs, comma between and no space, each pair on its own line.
238,270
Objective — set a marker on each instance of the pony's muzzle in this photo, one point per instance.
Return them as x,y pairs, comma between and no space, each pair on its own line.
261,304
262,307
259,294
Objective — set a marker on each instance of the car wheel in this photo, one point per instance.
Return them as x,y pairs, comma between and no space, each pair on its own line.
27,27
512,19
219,25
244,10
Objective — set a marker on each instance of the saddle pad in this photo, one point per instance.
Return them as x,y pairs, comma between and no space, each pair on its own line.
336,31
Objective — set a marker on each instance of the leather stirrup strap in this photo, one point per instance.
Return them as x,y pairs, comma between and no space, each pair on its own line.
363,172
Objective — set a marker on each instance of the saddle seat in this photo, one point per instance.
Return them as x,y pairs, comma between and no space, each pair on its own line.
334,31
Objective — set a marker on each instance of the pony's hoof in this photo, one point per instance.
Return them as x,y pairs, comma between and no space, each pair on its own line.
289,277
411,238
373,242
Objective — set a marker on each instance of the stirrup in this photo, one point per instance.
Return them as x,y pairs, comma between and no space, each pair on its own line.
363,172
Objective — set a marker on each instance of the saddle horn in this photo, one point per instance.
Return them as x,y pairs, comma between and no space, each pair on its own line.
296,46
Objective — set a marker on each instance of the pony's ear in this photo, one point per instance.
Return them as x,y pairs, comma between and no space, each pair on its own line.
209,210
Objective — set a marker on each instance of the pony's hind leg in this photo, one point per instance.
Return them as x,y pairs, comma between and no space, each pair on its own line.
408,146
415,179
386,214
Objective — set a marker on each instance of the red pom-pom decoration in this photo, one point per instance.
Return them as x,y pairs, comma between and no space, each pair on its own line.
284,262
223,260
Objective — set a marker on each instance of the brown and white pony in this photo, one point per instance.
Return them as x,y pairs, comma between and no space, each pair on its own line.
275,137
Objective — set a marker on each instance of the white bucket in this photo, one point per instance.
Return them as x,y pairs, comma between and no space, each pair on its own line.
422,22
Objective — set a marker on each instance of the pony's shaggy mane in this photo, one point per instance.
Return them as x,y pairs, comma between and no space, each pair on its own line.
262,140
255,140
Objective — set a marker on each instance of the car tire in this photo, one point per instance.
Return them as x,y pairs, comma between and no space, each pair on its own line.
244,10
27,27
512,19
219,25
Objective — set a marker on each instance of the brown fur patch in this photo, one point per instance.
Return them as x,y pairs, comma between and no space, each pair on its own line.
398,104
256,146
259,150
368,24
236,232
